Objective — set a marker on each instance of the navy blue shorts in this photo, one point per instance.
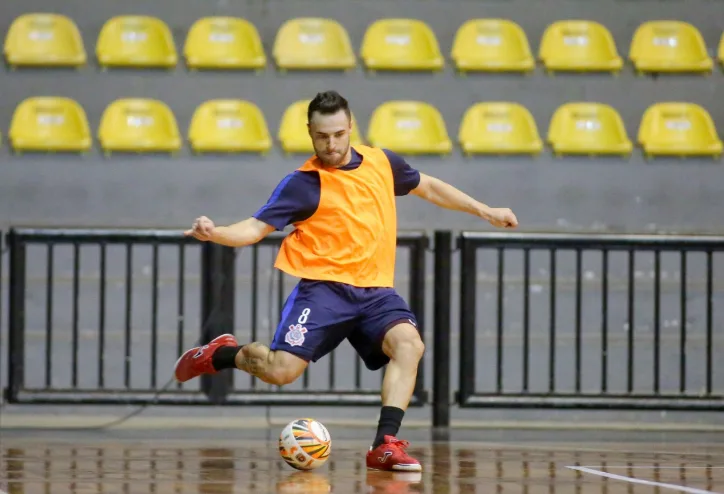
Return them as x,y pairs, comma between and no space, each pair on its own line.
319,315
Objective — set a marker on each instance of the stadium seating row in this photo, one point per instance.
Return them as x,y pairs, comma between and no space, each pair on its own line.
408,127
39,39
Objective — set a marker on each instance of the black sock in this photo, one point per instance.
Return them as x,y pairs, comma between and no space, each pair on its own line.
390,422
225,357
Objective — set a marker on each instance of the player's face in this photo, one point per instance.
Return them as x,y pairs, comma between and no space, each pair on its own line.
330,136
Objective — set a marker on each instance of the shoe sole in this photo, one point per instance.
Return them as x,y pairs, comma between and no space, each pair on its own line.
400,468
175,366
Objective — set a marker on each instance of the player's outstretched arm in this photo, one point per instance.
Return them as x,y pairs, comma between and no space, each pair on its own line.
446,196
240,234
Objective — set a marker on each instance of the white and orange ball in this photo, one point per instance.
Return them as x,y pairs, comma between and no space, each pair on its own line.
305,444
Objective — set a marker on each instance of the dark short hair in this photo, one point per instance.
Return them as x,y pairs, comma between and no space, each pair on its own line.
327,103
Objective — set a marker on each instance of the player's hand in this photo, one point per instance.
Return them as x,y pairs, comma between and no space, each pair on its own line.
502,218
202,229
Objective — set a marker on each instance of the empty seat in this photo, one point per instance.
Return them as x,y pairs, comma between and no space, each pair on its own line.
136,41
720,54
678,129
492,45
401,44
229,126
294,134
224,43
579,45
46,123
410,127
669,46
40,39
311,43
139,125
499,128
588,128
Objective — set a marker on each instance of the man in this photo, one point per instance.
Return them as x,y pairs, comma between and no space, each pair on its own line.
342,203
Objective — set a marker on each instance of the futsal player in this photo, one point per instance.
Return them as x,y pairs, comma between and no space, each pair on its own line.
341,202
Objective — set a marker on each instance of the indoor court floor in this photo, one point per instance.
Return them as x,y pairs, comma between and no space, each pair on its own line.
463,462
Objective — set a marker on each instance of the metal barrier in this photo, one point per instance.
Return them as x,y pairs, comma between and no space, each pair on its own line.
546,321
629,338
126,315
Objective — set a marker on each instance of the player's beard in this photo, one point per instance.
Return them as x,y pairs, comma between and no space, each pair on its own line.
334,159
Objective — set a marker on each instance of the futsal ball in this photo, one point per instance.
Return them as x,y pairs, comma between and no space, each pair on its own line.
305,444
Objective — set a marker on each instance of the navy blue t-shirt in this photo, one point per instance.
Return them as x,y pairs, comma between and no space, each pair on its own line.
296,198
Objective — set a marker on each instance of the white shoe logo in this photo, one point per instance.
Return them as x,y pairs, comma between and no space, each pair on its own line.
201,351
386,455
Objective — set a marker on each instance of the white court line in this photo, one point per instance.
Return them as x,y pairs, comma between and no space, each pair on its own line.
653,467
641,481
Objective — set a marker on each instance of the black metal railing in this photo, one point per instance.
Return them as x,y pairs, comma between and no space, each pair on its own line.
100,316
545,320
590,321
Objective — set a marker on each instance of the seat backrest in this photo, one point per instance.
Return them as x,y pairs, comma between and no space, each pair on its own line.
586,122
404,40
132,40
667,41
138,118
312,37
224,119
577,39
56,119
498,121
233,40
495,39
414,122
677,122
44,39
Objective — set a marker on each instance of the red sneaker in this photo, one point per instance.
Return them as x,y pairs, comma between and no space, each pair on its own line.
391,456
197,360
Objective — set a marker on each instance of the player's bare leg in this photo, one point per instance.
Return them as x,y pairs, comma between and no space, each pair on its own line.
272,367
403,345
224,352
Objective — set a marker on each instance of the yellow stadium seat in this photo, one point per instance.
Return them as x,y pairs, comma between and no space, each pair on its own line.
669,46
410,127
44,40
579,45
50,124
401,44
139,125
313,43
720,54
229,126
588,128
499,128
224,43
492,45
136,41
293,132
678,129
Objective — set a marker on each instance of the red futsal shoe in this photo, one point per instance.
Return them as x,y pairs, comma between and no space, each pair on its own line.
391,456
197,360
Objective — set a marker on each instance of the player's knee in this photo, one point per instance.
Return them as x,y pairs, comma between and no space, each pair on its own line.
404,341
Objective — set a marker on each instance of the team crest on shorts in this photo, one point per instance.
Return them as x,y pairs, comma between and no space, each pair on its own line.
295,335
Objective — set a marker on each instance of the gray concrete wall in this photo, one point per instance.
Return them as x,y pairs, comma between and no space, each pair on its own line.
547,193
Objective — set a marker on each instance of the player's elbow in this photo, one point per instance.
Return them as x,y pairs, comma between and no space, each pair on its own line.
425,188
